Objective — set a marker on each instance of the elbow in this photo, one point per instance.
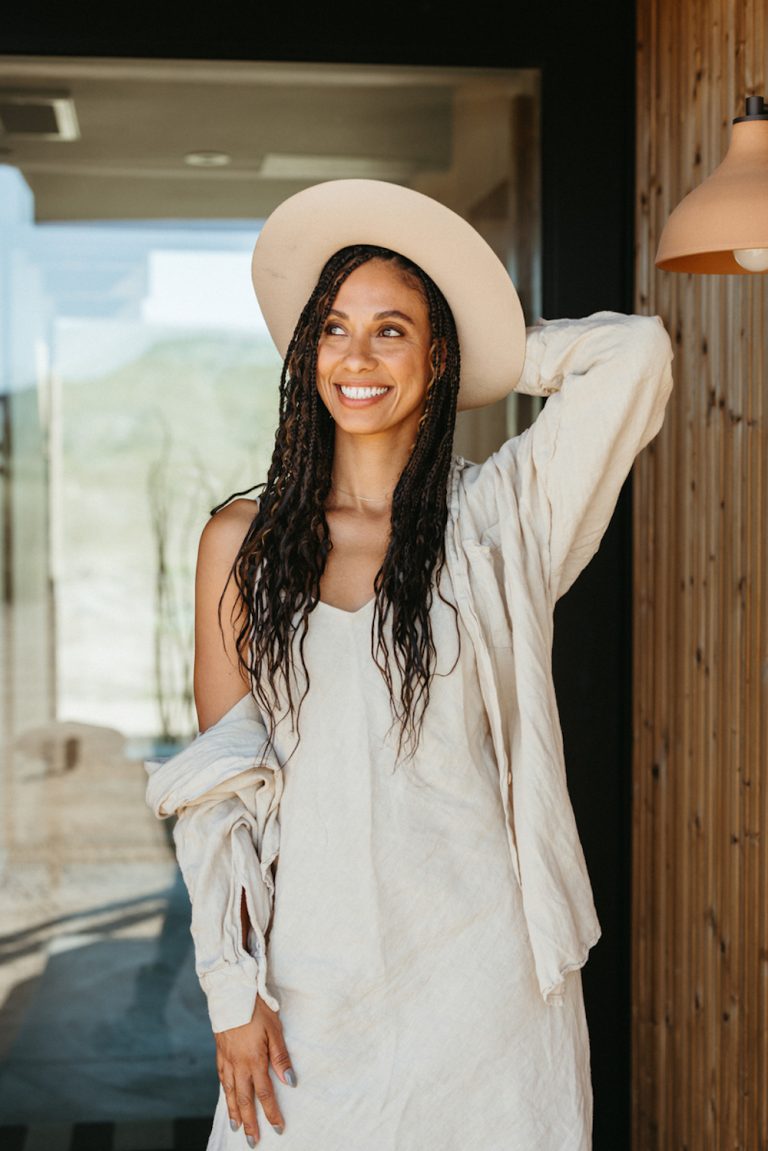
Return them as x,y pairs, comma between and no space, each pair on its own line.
657,342
651,348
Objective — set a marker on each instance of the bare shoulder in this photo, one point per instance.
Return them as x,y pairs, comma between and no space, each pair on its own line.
223,534
219,678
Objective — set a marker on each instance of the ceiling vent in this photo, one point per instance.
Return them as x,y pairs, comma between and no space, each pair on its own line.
27,114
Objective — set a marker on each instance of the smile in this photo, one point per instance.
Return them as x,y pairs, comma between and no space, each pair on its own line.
361,393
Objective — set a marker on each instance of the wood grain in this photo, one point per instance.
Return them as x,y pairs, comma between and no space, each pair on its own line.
700,491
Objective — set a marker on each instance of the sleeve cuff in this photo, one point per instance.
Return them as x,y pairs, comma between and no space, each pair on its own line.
231,994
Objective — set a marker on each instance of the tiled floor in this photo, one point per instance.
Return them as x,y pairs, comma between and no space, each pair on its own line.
104,1035
114,1030
160,1135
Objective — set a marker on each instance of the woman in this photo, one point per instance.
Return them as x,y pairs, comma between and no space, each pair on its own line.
389,899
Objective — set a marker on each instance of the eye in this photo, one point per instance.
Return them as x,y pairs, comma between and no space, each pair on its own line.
333,328
389,331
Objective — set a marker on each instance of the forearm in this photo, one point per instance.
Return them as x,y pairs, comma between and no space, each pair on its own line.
222,871
225,791
631,345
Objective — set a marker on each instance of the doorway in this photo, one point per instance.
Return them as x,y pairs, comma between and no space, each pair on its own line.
139,391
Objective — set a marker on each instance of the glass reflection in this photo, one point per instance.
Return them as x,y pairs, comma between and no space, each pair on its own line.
139,387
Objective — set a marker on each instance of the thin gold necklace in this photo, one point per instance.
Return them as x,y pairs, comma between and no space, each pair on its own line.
365,499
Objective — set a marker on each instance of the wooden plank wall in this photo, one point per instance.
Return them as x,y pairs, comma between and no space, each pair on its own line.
700,814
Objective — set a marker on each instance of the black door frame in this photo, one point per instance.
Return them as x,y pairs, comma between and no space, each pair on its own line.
586,57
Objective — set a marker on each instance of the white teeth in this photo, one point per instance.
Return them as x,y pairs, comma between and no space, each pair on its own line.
361,393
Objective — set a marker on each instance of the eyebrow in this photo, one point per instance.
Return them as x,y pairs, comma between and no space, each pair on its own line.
390,313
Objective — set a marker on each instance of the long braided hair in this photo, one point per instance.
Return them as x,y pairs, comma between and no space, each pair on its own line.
280,563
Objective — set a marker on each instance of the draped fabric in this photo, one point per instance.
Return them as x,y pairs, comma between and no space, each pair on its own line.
522,525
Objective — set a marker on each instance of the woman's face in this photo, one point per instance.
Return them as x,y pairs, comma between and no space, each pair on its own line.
373,362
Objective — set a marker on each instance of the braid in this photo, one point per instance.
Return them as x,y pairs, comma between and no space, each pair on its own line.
420,500
281,561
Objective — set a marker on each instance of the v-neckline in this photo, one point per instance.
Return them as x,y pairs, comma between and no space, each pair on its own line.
343,611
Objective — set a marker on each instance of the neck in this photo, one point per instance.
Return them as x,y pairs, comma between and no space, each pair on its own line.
367,468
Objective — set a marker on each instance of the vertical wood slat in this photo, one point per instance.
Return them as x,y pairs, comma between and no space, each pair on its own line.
700,788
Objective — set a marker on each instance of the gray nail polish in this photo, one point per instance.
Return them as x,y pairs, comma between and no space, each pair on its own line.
233,1124
276,1127
290,1077
250,1140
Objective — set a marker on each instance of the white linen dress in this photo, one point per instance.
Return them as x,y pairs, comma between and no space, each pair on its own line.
398,949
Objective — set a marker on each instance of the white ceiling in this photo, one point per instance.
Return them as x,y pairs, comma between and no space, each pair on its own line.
283,126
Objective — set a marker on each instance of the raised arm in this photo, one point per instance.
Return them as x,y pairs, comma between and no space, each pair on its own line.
528,520
607,377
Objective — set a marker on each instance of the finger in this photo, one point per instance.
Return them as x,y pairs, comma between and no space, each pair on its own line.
227,1080
281,1060
265,1093
246,1103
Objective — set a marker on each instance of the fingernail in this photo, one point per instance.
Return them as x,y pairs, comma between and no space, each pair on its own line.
290,1077
276,1127
233,1125
250,1140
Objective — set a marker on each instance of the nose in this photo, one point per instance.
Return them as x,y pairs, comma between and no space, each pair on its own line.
360,357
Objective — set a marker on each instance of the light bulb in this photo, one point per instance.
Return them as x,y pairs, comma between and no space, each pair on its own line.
753,259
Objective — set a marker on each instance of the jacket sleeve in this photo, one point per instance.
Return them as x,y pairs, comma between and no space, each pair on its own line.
607,377
224,790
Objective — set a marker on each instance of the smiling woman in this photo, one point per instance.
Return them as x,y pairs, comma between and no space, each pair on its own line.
374,353
390,902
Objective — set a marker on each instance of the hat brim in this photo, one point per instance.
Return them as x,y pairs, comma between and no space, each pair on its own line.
305,230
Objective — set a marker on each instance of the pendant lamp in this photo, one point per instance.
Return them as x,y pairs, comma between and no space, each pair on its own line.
721,226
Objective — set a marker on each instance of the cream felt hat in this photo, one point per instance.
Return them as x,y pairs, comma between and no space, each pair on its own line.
310,226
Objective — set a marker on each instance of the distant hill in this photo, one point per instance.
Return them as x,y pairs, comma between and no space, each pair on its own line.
146,451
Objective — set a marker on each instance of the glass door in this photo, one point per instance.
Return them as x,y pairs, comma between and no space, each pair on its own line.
139,389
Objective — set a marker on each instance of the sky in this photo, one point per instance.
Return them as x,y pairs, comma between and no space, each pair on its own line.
202,289
185,284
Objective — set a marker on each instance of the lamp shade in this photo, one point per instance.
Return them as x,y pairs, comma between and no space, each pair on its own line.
728,211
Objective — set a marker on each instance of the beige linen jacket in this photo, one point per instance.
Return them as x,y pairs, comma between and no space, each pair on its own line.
521,527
